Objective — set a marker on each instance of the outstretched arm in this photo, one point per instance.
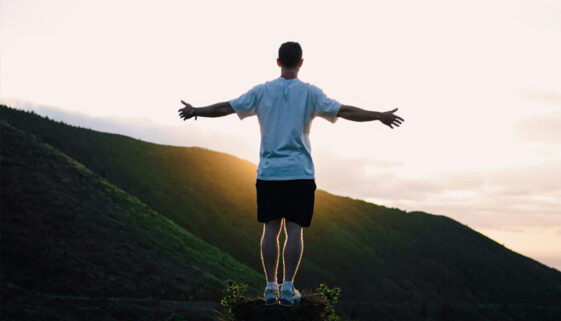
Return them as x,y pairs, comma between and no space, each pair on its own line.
216,110
358,114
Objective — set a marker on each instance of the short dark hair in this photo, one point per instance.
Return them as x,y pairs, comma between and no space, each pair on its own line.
290,54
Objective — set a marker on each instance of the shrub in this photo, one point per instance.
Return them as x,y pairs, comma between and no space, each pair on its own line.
232,298
331,296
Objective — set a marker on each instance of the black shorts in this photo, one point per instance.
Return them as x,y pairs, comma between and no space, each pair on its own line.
291,199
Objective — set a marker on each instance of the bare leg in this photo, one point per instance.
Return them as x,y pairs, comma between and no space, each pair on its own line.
270,248
293,248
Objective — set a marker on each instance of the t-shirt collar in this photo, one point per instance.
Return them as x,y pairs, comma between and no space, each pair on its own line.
284,79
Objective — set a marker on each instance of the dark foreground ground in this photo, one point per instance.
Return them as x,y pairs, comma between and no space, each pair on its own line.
21,304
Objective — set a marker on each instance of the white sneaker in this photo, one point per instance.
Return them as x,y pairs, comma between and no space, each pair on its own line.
271,296
289,296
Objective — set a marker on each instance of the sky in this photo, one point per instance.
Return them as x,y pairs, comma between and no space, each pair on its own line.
478,84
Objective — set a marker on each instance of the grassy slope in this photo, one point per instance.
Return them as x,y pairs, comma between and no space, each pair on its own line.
67,231
375,253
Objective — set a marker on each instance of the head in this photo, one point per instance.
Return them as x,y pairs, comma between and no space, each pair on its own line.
290,56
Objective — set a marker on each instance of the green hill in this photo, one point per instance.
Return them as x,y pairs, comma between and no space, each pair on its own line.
70,235
389,263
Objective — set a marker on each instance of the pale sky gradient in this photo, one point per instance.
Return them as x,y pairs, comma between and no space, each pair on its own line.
478,83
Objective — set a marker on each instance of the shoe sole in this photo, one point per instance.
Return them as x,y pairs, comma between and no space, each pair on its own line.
271,302
289,303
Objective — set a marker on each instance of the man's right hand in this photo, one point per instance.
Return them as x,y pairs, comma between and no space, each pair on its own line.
389,119
187,111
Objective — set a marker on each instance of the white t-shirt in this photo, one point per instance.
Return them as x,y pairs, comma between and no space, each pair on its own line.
285,109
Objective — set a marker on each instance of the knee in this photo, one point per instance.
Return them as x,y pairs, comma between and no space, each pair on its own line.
272,228
293,230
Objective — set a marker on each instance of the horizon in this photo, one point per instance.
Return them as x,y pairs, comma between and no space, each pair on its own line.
477,84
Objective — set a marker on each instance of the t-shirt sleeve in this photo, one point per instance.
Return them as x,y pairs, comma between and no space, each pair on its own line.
246,104
324,106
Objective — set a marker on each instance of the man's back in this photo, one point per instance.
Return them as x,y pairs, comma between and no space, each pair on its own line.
285,182
285,109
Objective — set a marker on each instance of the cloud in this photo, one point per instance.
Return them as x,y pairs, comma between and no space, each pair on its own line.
548,97
512,198
543,128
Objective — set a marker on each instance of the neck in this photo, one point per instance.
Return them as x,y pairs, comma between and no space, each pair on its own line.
289,73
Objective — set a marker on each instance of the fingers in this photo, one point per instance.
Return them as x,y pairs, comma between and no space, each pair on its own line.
396,116
184,112
393,122
398,120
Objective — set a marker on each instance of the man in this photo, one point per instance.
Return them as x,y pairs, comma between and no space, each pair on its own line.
285,184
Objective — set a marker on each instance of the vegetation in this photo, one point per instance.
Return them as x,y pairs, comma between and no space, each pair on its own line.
318,306
232,298
70,236
331,296
391,263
